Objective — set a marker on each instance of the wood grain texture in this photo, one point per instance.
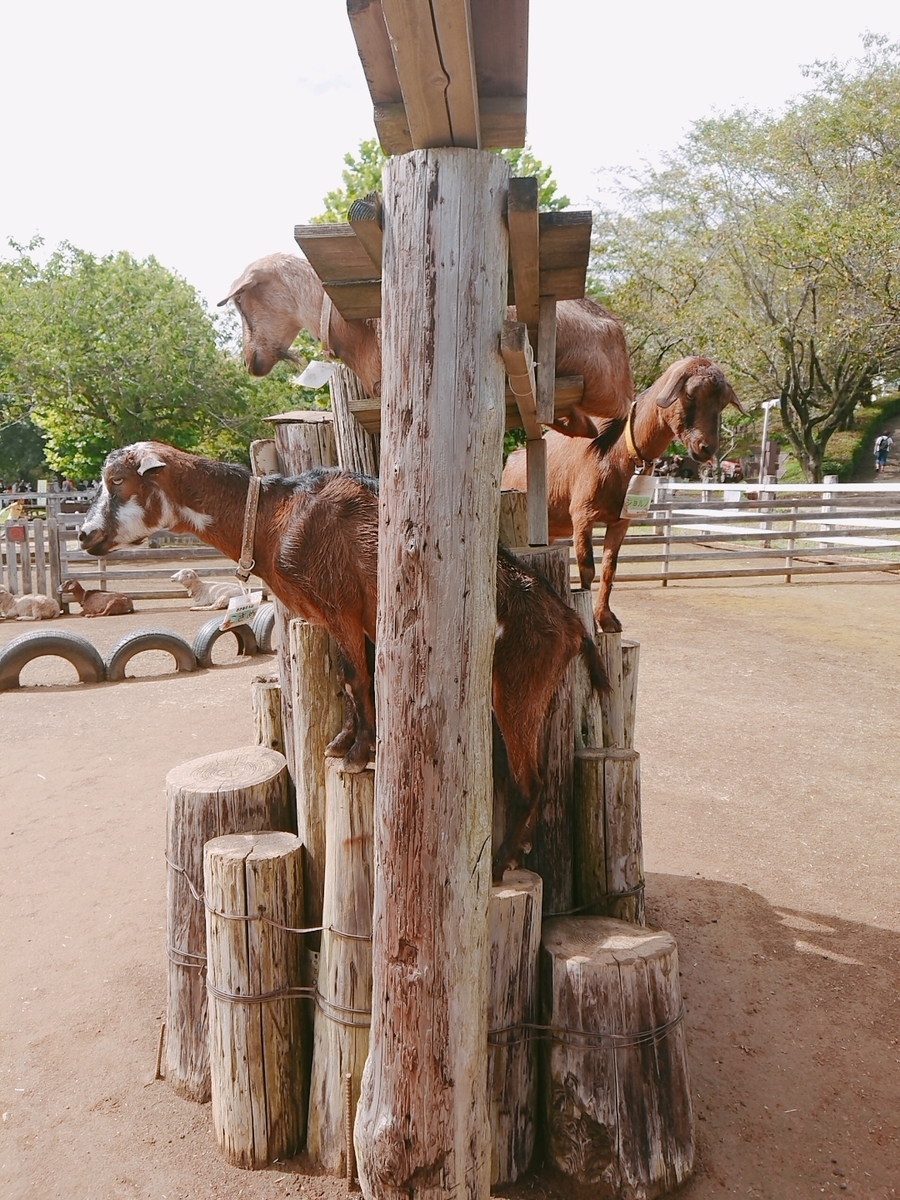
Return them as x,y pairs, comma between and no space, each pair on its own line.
515,931
265,701
631,660
258,1048
421,1127
357,448
609,858
588,712
617,1101
232,791
341,1039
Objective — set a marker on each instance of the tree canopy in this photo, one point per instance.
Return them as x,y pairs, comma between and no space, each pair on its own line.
362,174
99,352
771,243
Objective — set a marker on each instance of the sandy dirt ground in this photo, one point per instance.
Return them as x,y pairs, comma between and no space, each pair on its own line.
768,730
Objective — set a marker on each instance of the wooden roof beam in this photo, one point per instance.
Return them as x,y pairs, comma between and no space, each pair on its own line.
518,358
432,46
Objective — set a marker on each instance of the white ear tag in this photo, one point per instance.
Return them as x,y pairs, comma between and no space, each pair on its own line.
316,374
241,609
638,497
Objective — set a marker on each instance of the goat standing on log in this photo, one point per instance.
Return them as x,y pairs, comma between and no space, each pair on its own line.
316,547
587,479
281,294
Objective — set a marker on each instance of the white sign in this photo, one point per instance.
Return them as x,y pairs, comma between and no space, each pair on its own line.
241,609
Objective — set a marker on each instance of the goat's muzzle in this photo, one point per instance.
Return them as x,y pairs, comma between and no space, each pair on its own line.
94,541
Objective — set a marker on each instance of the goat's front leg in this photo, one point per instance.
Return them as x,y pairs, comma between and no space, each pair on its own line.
583,545
356,741
612,543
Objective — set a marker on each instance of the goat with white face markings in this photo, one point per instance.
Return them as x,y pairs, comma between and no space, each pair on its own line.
316,547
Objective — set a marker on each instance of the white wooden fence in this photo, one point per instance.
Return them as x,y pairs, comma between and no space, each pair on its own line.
711,531
693,531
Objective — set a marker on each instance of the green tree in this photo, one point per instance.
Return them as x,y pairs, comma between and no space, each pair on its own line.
362,174
99,352
772,244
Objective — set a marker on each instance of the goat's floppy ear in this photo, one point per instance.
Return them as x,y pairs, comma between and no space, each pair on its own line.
731,398
674,387
149,462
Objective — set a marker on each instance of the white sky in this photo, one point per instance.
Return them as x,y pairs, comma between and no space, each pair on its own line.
202,131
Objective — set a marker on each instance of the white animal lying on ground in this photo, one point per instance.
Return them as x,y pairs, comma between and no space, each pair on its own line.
33,607
214,594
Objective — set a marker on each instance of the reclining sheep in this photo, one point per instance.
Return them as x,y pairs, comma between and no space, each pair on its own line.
587,479
213,594
32,607
316,547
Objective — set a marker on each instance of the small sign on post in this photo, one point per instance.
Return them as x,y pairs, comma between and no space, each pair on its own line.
639,495
242,609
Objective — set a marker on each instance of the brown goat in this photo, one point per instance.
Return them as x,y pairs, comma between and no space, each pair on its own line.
316,547
587,479
281,294
95,603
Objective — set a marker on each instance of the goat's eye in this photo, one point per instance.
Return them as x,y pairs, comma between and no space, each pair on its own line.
117,481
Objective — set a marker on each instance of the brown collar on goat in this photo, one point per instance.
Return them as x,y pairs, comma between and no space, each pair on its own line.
246,562
636,455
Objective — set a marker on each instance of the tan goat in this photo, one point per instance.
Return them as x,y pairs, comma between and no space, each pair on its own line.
32,607
587,479
280,294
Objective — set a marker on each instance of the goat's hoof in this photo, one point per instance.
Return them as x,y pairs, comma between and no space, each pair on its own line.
338,747
357,758
608,622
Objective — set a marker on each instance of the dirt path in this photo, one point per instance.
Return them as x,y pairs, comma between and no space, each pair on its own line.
768,734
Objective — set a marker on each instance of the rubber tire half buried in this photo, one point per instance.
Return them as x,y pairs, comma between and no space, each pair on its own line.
208,634
263,626
140,640
81,653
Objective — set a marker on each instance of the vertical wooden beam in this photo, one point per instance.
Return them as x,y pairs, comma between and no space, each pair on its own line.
421,1127
522,217
536,474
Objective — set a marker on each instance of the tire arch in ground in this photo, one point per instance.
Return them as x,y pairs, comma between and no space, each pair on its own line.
209,633
263,626
139,640
81,653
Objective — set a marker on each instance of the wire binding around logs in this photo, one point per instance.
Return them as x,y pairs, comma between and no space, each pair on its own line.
581,1039
605,898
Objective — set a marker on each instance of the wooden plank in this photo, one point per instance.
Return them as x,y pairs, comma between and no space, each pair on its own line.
569,388
502,124
423,75
524,253
334,251
518,359
565,251
366,217
538,519
546,365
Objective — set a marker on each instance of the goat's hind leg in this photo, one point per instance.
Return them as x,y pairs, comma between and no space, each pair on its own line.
356,741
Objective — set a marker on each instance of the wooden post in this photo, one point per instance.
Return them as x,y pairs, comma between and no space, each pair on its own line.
631,658
253,883
551,855
513,518
302,440
588,711
609,860
421,1126
515,928
317,711
234,791
617,1095
612,702
357,449
265,698
343,1012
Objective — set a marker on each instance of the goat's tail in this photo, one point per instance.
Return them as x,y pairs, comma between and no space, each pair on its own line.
594,663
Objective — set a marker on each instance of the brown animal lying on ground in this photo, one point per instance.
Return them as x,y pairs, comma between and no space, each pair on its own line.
95,603
587,479
316,547
280,294
32,607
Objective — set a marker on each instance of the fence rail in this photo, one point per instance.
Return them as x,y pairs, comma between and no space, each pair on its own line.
692,531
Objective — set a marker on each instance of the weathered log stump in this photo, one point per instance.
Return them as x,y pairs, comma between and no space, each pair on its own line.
609,860
617,1092
513,518
265,700
612,702
588,713
343,1012
631,657
357,449
317,716
515,932
253,883
234,791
